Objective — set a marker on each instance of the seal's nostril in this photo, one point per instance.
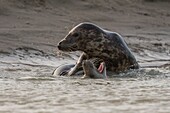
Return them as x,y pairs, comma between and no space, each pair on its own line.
59,47
59,43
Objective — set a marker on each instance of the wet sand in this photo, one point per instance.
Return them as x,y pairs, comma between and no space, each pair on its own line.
30,31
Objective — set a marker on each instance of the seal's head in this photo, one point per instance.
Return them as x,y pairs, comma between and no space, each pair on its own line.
83,37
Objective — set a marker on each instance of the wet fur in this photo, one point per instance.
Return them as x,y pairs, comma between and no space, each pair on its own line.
96,42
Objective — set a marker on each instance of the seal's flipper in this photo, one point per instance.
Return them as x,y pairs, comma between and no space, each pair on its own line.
78,65
63,70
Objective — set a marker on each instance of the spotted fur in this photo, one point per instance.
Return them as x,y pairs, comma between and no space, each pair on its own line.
96,42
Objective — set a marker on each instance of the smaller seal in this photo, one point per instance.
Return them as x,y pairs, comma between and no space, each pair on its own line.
90,71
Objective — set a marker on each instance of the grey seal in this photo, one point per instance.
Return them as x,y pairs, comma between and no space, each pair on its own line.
101,44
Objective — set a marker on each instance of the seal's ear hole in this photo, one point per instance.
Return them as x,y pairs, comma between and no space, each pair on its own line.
75,35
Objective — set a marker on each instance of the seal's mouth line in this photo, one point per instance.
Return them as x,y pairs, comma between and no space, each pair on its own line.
101,67
65,49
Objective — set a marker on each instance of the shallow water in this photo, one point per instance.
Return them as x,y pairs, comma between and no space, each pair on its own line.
28,87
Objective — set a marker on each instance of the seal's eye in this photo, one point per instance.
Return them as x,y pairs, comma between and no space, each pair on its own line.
75,35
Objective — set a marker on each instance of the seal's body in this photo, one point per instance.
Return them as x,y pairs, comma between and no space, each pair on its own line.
96,42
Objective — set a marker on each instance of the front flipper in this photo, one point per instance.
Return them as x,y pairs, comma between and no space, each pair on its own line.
63,70
78,65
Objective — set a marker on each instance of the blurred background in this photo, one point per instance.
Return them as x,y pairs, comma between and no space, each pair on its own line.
41,24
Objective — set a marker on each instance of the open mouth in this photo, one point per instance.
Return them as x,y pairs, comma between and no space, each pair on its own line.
101,67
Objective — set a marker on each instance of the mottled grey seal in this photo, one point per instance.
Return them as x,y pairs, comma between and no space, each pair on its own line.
96,42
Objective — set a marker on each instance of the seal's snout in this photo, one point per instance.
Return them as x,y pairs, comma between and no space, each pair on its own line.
62,45
59,46
67,45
